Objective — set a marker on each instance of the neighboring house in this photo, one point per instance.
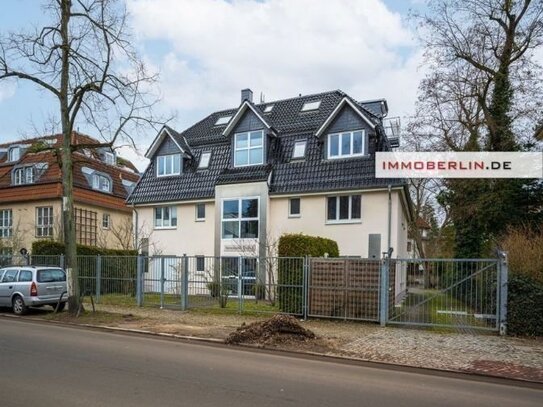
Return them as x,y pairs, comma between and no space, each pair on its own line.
417,247
31,193
234,182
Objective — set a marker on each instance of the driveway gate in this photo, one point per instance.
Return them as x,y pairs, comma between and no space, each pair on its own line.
447,293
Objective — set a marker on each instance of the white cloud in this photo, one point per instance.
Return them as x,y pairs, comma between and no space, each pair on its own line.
279,47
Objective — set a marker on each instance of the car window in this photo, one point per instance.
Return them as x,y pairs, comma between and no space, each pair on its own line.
25,275
9,276
51,276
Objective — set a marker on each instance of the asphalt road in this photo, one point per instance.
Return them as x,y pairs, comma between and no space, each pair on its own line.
46,365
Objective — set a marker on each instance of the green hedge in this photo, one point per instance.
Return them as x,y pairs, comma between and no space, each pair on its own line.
291,270
118,268
53,248
525,306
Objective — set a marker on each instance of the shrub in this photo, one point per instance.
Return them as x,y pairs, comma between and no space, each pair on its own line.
53,248
524,246
525,306
291,271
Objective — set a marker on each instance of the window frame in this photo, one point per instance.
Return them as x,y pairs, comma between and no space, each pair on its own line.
6,231
337,219
299,157
24,175
295,215
340,145
47,226
97,178
104,225
109,158
201,165
10,154
162,227
240,218
311,106
197,217
249,148
165,157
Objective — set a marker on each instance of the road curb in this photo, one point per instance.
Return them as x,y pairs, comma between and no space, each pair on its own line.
461,374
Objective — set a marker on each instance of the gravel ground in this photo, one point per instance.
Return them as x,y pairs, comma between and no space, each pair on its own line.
422,348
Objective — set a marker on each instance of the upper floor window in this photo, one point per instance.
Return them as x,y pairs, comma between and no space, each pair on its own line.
294,208
165,217
44,221
109,158
311,106
268,108
347,144
14,154
200,211
299,149
222,120
6,222
24,175
168,165
204,160
249,148
101,182
343,208
240,218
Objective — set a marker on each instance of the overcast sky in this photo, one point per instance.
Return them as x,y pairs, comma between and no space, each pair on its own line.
208,50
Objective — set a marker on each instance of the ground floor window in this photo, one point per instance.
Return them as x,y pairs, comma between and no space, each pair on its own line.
166,217
44,221
6,223
343,208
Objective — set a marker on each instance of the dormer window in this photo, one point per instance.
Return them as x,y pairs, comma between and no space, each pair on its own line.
249,148
109,158
14,154
101,182
204,160
268,108
168,165
347,144
222,120
311,106
24,175
299,149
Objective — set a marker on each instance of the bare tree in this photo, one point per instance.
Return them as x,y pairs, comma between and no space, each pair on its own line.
83,58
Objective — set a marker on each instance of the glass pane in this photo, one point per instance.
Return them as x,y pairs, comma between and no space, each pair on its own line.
355,207
160,164
230,209
299,149
242,157
241,140
173,216
343,207
256,156
256,138
346,144
158,217
249,229
334,145
248,267
200,211
332,203
249,208
357,142
230,229
177,164
295,206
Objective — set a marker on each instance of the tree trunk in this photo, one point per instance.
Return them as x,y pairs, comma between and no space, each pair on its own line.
67,167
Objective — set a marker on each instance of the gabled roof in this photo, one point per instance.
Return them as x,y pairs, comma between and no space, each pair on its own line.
239,114
345,101
179,140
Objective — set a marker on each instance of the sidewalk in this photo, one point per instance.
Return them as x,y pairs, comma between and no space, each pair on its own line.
516,358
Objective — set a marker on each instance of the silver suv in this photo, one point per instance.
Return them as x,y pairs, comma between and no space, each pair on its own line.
32,286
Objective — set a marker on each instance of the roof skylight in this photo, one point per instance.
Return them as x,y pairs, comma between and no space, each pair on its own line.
222,120
299,149
268,108
311,106
204,160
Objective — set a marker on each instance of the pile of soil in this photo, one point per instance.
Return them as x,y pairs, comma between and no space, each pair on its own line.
275,330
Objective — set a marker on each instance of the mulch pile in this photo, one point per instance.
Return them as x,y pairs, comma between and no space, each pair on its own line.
277,329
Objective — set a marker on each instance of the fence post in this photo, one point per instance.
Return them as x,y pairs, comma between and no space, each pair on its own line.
503,285
162,265
139,277
61,261
98,277
383,289
185,283
305,288
240,284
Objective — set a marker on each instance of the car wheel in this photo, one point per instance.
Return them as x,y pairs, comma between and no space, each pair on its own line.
19,307
61,306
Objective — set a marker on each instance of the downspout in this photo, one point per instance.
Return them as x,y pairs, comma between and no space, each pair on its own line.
389,219
136,227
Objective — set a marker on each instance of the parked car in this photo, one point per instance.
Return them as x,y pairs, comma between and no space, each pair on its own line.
32,286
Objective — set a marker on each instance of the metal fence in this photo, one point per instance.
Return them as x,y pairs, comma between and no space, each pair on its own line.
469,293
